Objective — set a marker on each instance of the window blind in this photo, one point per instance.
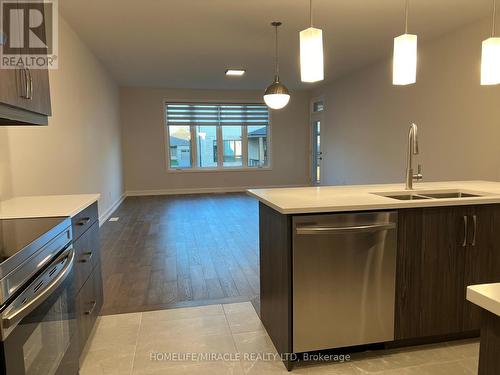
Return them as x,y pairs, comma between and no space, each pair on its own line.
217,114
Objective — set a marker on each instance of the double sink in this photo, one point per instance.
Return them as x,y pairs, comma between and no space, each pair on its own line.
448,194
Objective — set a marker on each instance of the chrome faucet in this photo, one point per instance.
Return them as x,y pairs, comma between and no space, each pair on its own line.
412,150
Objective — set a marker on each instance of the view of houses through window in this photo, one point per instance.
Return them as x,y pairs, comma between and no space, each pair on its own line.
213,136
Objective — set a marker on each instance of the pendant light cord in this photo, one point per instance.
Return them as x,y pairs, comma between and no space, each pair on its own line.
406,15
493,18
311,13
277,65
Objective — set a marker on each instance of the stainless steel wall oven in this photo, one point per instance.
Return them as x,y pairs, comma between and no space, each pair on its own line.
37,294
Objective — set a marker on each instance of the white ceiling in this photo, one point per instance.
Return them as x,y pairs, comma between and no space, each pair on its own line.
189,43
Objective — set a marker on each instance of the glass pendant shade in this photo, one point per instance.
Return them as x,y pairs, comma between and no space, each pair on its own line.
404,69
276,96
490,62
311,55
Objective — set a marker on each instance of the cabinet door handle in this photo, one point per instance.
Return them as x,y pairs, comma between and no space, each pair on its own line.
474,221
89,312
29,87
89,257
25,82
464,243
83,221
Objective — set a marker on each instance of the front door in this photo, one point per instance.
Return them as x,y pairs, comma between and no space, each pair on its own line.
317,109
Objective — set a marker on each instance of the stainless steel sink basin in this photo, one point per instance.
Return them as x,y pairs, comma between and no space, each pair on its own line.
435,194
456,194
406,197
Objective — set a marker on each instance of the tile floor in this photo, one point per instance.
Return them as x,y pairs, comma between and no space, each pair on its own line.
123,344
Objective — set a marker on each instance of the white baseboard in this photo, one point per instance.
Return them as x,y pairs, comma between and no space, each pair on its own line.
105,216
136,193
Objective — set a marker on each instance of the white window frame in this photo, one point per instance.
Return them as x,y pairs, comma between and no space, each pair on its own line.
220,168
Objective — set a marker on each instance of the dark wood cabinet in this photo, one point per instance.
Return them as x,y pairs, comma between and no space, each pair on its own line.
86,254
440,252
83,263
88,305
489,360
276,278
25,93
88,278
39,97
482,258
10,87
83,220
430,272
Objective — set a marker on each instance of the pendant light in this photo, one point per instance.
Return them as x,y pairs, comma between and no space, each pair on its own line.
276,95
404,69
311,52
490,57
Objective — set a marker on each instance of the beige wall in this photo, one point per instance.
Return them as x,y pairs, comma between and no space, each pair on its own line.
5,173
80,150
367,118
145,166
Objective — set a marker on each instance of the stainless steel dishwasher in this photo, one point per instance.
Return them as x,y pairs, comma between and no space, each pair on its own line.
344,270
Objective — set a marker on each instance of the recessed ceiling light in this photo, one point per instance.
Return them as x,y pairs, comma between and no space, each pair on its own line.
235,72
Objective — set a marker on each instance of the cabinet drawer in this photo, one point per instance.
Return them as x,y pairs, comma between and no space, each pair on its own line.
88,304
87,254
84,220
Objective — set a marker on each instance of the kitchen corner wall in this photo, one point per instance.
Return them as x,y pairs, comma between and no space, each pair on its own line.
80,150
144,152
367,119
5,174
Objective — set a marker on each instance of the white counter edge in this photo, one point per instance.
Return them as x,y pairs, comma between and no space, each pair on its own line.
46,206
486,296
288,201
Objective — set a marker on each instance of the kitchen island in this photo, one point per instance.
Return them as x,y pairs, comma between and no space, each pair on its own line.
349,266
487,296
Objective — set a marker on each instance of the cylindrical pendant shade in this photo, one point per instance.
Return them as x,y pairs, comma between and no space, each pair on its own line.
311,55
404,69
490,62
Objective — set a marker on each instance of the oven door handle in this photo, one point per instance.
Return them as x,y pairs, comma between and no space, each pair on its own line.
16,315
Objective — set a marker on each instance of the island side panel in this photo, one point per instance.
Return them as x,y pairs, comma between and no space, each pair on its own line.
276,277
489,348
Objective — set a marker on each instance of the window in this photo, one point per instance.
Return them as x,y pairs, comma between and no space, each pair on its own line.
217,136
206,146
318,106
180,146
232,146
257,146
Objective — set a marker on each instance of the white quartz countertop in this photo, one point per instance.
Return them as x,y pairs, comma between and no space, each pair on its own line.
486,296
361,197
46,206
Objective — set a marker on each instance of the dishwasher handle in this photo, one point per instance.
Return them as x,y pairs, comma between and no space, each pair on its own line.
320,229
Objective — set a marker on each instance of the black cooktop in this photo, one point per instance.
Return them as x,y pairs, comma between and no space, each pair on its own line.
16,234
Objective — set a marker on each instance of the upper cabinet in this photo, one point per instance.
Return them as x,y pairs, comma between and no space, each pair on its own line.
24,88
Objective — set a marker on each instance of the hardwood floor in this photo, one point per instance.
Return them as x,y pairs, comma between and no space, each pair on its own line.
172,251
